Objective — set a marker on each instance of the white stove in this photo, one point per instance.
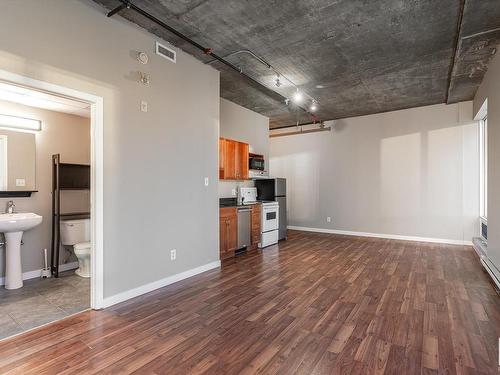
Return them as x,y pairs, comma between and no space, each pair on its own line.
269,217
269,224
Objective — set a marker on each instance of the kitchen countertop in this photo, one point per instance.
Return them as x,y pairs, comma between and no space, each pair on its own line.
232,202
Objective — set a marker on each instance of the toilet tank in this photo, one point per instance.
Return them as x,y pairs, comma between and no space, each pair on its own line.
75,231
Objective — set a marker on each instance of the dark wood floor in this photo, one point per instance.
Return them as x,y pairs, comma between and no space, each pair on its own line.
318,304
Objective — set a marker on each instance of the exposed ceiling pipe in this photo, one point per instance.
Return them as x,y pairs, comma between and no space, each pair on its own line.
207,51
319,123
268,65
298,132
455,51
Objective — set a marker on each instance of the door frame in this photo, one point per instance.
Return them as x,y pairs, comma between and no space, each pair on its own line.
96,168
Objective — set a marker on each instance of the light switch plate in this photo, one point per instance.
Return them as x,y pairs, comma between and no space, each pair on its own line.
233,192
20,182
144,106
206,181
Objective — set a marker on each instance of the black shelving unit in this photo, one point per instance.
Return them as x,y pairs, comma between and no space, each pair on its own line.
65,176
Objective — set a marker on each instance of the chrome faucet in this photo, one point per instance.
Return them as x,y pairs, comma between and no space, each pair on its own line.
10,207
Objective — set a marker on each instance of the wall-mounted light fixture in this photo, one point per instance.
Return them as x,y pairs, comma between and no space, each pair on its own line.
19,123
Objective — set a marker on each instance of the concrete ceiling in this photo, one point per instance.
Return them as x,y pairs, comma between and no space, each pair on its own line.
356,57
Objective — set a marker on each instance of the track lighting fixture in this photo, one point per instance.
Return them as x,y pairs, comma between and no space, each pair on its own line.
278,82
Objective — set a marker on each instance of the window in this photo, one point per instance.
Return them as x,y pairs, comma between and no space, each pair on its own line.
483,167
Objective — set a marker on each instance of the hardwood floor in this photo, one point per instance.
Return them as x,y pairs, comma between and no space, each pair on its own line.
318,304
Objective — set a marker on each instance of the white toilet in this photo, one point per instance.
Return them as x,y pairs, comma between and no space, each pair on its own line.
76,233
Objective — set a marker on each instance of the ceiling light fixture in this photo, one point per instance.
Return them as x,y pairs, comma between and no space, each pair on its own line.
314,106
15,122
297,97
278,83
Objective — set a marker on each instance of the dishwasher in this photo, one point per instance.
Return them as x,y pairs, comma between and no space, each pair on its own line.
244,217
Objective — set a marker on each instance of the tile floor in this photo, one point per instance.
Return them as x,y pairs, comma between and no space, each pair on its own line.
42,301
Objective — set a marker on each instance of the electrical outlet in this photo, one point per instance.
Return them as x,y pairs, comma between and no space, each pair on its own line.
144,106
173,254
20,182
233,192
206,181
328,219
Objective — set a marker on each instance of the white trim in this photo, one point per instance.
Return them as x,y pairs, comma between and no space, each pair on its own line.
379,235
38,273
123,296
97,177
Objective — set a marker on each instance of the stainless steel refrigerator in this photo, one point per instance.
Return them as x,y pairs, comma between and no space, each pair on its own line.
274,189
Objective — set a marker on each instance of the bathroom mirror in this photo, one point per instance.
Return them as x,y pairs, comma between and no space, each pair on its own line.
17,161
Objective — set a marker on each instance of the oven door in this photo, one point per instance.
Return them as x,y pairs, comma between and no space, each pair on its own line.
269,219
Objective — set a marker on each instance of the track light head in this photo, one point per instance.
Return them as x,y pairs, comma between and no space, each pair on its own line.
313,107
297,97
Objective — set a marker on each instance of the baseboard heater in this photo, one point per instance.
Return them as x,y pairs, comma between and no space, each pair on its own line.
492,270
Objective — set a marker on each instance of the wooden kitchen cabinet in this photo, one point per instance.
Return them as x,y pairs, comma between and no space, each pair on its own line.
256,225
233,160
228,231
242,151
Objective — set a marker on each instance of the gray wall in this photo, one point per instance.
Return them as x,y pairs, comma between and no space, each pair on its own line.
244,125
490,89
155,162
412,172
61,133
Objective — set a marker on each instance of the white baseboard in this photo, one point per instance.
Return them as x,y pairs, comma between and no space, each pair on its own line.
123,296
38,273
379,235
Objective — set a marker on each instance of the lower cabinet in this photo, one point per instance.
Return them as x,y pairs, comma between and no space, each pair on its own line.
255,230
228,231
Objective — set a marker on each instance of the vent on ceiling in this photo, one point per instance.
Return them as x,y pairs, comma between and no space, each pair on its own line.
165,52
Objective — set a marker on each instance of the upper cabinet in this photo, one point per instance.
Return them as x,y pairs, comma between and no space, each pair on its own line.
233,160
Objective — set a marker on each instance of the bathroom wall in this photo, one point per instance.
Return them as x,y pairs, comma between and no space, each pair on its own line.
244,125
61,133
155,162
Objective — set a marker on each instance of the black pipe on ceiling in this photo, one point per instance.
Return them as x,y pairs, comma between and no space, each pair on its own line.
207,51
298,125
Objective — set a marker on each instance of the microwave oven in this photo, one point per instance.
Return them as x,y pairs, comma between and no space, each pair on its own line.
256,162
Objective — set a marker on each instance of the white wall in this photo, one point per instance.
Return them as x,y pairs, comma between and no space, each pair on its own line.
155,162
412,172
244,125
490,89
61,133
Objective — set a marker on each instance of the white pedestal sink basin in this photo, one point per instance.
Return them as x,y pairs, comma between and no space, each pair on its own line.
13,226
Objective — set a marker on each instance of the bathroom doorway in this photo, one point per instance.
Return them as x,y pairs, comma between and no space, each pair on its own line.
67,124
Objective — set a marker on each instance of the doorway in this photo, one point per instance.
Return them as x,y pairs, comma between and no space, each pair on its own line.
95,107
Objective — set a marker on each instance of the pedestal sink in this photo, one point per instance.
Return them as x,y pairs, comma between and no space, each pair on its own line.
13,226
